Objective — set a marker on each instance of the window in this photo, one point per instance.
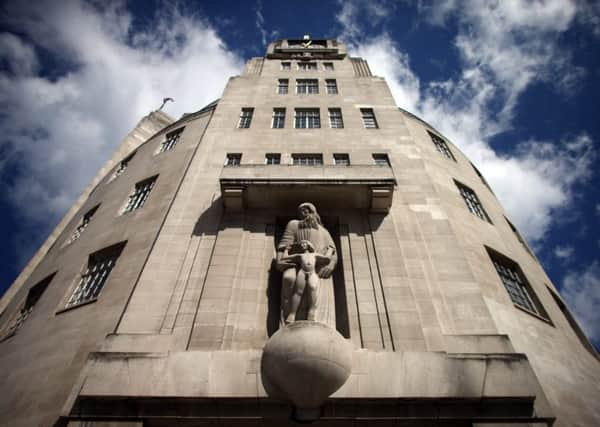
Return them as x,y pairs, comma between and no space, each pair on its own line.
368,117
307,118
170,140
307,159
441,146
85,220
278,118
328,66
123,165
286,66
513,279
283,86
245,118
93,278
341,159
233,159
381,159
331,86
519,237
140,194
472,201
336,120
26,307
304,86
272,159
307,66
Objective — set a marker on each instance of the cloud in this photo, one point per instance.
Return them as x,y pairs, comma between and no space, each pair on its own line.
563,252
581,291
260,23
54,127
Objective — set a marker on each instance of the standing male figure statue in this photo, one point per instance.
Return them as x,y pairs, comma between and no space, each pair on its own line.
308,228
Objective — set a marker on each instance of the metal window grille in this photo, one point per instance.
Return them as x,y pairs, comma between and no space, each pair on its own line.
83,224
336,121
273,159
331,86
246,118
170,140
123,165
233,159
368,117
328,66
283,86
307,159
381,159
307,66
307,86
99,266
514,282
441,146
278,118
140,195
472,201
307,118
341,159
33,297
286,66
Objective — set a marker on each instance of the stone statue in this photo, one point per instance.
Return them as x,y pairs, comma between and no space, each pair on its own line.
305,254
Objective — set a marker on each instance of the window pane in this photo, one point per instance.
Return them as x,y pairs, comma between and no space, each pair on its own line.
336,120
307,118
246,118
233,159
170,140
282,86
341,159
278,118
441,146
272,158
368,117
381,159
328,66
472,201
307,86
140,194
331,86
307,159
85,220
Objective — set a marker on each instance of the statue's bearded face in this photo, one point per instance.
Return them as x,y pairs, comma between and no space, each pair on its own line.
309,220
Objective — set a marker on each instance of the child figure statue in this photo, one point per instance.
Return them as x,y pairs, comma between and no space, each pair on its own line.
306,259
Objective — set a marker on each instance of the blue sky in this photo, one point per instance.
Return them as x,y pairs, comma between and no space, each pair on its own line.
515,84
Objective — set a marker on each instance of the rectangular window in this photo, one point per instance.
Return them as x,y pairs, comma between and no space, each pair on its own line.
472,201
441,146
331,86
307,86
307,118
283,86
123,165
140,194
85,220
307,66
286,66
328,66
336,121
381,159
246,118
307,159
516,284
278,118
170,140
26,307
341,159
272,159
233,159
95,275
368,118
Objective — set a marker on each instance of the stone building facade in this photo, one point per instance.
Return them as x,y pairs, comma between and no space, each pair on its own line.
151,303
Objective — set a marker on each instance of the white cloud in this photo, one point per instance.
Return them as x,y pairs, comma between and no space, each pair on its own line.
55,132
563,252
581,291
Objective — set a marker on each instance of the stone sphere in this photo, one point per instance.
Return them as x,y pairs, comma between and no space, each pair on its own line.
306,362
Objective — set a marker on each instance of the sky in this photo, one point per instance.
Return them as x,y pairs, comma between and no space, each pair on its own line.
514,84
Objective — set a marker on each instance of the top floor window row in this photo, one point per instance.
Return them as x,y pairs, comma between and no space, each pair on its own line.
307,66
307,86
307,118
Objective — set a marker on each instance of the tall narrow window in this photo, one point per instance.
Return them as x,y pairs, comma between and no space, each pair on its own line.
472,201
170,140
328,66
95,275
272,159
331,86
123,165
381,159
307,159
26,307
278,118
283,86
233,159
307,86
307,66
83,223
516,284
246,118
286,66
368,118
341,159
307,118
336,121
140,194
441,145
